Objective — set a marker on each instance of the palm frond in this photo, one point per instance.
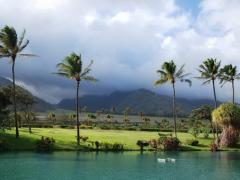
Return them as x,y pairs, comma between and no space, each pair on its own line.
160,82
180,71
89,78
23,46
206,82
187,81
21,38
28,55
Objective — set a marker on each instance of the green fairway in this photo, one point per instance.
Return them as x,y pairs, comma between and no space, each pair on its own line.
65,138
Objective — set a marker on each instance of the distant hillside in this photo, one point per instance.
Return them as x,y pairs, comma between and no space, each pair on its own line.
40,106
141,100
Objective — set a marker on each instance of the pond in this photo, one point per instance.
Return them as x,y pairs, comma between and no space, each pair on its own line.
119,166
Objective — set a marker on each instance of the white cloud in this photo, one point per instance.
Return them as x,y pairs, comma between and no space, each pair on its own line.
128,40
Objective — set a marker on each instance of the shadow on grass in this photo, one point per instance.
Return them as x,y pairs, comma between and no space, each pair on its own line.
21,143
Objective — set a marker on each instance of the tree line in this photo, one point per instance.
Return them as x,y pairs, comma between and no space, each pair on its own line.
12,46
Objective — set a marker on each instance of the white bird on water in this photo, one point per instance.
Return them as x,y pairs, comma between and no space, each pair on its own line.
166,160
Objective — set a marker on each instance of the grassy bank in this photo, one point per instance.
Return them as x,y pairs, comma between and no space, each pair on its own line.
65,138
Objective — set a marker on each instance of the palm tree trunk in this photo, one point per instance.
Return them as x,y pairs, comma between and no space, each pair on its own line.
215,101
14,97
233,92
174,110
77,110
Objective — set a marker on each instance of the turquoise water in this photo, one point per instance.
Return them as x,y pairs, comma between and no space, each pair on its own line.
119,166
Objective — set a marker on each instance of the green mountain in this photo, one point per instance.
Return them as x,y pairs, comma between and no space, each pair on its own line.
141,100
40,105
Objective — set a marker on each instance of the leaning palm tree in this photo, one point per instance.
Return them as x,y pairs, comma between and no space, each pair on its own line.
229,74
209,72
10,47
71,68
169,73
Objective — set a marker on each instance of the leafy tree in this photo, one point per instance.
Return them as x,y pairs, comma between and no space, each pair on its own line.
229,74
4,112
170,73
71,68
228,116
26,101
209,72
203,113
10,47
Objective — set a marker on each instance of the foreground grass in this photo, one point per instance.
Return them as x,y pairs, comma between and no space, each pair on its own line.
66,138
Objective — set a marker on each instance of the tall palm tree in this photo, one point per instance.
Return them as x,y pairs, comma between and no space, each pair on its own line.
71,68
170,73
209,72
229,74
10,47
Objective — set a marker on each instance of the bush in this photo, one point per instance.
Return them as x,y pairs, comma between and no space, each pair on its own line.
228,116
67,127
142,144
45,144
85,127
84,138
117,147
4,146
192,142
170,144
153,143
92,116
213,147
97,144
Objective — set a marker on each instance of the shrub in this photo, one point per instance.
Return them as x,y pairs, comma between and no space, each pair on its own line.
142,144
45,144
213,147
84,138
106,146
153,143
97,144
67,127
92,116
117,147
170,144
192,142
228,116
85,127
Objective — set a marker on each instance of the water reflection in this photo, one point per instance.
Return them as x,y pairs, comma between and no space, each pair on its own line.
119,166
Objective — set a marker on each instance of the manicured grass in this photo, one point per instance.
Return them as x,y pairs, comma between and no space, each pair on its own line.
66,138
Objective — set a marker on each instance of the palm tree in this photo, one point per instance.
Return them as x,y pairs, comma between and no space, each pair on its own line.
71,68
228,74
52,117
209,72
169,73
10,47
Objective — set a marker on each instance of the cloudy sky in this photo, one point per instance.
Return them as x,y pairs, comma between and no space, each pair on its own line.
127,39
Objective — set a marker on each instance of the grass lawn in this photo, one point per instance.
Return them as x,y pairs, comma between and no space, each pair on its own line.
66,138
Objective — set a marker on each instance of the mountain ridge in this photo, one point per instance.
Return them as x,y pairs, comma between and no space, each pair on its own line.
39,106
140,100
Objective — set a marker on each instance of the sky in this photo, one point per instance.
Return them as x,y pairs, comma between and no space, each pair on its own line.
128,41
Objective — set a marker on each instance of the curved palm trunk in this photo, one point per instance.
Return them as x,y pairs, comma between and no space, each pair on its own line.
215,101
14,97
233,92
174,110
77,110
